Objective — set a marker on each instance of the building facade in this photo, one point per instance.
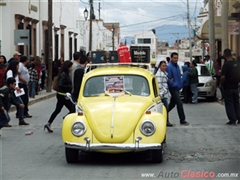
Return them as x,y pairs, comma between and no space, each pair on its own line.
24,28
31,19
148,39
233,13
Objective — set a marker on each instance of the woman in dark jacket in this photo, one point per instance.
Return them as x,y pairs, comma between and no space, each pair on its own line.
64,86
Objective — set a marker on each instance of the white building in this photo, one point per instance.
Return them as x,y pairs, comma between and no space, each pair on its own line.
184,54
104,37
147,38
70,30
33,15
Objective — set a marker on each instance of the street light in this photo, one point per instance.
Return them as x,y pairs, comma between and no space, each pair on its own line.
85,13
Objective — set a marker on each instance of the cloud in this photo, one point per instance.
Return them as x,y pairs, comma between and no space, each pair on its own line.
140,15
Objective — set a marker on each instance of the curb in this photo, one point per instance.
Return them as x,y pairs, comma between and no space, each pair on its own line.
37,99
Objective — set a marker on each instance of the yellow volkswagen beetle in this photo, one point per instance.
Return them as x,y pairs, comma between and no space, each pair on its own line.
118,110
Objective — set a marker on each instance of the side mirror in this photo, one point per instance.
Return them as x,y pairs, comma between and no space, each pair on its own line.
69,96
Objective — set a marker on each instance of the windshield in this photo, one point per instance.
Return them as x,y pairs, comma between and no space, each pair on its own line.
202,70
135,85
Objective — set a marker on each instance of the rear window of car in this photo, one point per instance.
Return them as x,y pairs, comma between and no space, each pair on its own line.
136,85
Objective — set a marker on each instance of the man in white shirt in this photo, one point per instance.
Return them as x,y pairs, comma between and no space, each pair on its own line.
209,63
23,83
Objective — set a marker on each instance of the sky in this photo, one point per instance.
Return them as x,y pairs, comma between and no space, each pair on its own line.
143,15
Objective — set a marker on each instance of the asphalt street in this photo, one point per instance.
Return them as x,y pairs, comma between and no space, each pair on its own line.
206,145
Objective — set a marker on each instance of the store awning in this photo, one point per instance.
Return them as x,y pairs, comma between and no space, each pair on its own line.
203,32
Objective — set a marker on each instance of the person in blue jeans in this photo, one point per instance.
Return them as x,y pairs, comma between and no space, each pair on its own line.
193,81
185,82
230,79
33,80
6,99
175,84
12,71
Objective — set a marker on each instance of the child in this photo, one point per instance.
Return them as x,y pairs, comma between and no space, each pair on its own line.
6,99
33,80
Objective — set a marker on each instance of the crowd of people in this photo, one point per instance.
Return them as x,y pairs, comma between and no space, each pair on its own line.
171,81
21,78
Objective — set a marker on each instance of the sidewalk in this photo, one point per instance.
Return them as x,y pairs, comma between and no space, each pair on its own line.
40,97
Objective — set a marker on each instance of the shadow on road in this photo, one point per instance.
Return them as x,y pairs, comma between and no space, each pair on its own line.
95,158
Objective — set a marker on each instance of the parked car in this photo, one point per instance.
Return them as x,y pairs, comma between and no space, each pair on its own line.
207,86
132,119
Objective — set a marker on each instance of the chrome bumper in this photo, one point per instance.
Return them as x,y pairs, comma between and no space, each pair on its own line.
110,146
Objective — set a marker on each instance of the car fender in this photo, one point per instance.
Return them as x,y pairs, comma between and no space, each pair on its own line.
67,127
159,121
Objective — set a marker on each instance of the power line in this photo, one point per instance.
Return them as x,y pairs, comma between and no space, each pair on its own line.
194,13
84,2
150,21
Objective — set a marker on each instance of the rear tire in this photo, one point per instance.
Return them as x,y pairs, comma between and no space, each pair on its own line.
157,155
71,155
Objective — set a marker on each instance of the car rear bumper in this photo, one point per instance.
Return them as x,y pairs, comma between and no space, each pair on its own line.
106,146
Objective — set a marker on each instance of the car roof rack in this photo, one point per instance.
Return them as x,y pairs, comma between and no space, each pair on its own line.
91,66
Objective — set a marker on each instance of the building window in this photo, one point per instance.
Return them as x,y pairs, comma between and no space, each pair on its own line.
56,46
21,47
75,44
144,41
187,54
29,27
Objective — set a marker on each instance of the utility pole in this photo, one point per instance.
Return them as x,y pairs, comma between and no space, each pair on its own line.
99,9
211,32
90,29
224,17
49,70
113,37
189,32
203,49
